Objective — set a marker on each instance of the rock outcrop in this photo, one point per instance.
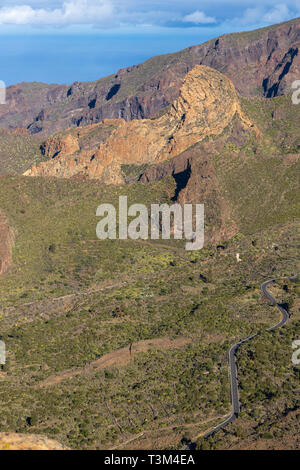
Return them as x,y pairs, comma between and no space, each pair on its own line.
264,62
84,140
207,103
14,441
196,181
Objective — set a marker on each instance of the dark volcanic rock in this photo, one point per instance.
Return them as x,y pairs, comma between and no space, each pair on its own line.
196,182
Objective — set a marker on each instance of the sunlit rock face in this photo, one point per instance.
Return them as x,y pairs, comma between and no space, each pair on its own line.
16,441
207,103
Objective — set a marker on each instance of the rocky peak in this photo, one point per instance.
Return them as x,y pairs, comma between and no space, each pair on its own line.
206,104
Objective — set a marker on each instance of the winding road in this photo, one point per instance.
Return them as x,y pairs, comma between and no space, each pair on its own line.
234,385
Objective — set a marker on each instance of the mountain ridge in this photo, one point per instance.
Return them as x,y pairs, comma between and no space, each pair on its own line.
262,62
206,105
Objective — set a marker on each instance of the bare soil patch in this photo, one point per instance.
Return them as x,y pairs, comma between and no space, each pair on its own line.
119,358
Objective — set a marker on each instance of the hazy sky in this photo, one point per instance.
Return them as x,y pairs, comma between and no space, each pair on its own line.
66,40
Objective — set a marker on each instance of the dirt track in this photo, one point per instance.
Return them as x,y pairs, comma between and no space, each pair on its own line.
120,357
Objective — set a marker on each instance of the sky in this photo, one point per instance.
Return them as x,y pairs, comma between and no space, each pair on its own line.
62,41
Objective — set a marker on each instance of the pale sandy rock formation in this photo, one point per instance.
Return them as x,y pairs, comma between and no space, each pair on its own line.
206,105
14,441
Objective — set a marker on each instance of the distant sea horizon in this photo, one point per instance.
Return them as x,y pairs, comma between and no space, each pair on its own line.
64,59
65,55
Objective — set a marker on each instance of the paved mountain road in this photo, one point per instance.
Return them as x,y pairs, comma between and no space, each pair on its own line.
234,385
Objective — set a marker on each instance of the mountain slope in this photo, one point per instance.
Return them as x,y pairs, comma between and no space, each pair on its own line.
18,151
69,300
260,63
206,105
6,244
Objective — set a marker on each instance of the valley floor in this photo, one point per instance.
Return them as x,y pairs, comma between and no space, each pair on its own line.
69,372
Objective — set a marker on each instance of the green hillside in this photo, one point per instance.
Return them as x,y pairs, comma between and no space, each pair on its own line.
70,299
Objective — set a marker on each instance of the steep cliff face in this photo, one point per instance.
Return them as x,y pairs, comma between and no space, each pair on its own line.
84,140
6,244
260,63
197,181
207,103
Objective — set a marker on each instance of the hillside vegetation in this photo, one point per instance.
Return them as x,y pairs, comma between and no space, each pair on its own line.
18,152
70,299
124,344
